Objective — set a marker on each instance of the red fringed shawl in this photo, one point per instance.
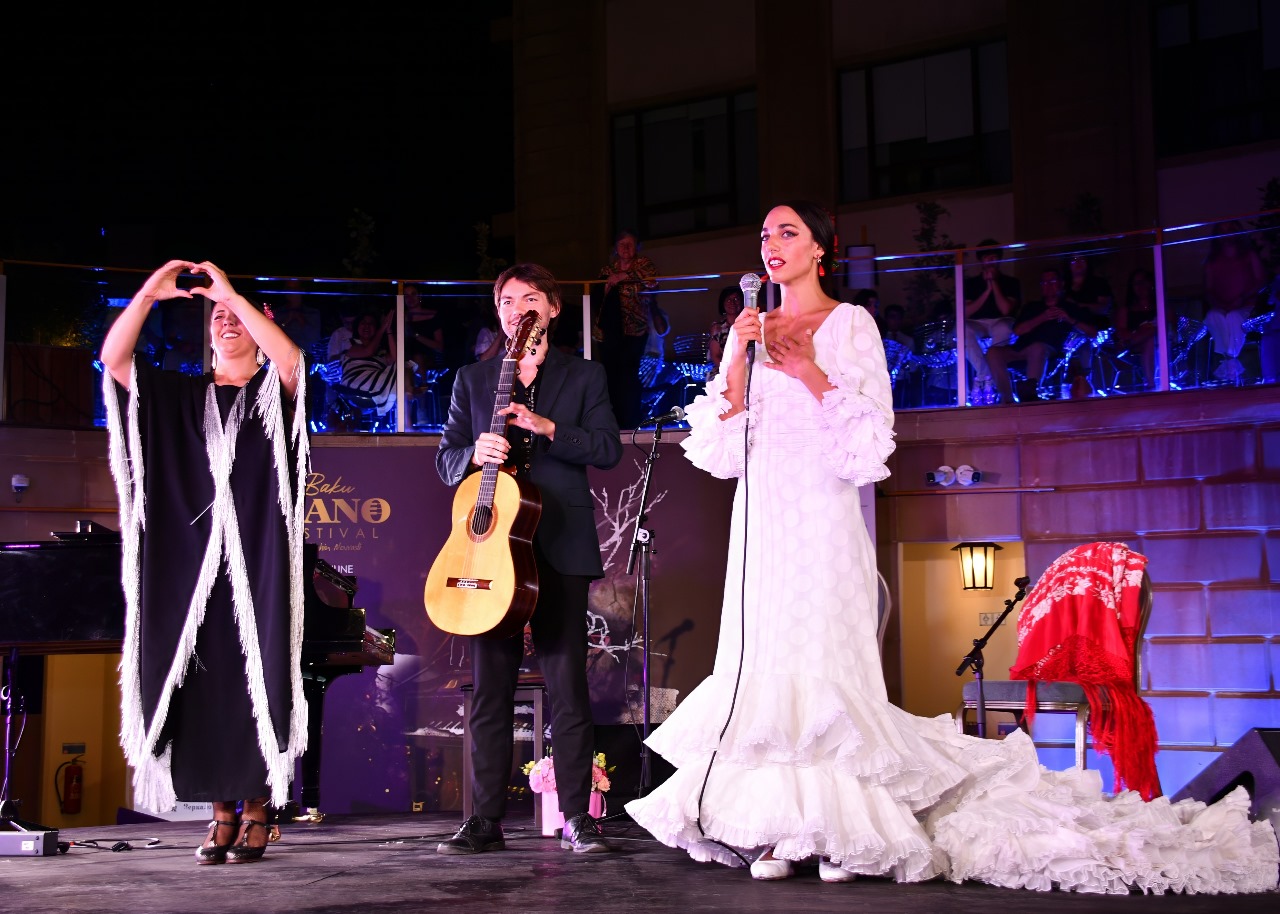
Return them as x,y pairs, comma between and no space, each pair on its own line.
1080,624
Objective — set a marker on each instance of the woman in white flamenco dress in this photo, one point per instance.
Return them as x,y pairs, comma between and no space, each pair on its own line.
815,761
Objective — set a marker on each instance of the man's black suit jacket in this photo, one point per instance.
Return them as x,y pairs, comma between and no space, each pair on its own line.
573,394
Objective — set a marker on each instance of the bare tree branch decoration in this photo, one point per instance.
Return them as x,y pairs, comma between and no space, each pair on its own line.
618,522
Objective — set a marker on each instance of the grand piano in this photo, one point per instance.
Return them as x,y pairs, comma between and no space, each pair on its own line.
64,596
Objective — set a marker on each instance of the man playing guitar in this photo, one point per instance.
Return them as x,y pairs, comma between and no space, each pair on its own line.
559,422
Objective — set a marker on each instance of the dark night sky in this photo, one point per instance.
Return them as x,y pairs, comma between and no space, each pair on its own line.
253,146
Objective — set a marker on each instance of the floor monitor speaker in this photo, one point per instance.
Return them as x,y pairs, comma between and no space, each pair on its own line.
1253,763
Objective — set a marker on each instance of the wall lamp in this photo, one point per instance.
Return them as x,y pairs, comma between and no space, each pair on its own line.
19,484
977,564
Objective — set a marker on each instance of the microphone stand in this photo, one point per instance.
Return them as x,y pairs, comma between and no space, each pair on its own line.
642,544
973,659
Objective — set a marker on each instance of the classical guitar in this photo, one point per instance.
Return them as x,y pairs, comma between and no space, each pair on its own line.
485,581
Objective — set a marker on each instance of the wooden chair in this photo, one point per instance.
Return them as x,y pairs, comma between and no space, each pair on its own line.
1051,697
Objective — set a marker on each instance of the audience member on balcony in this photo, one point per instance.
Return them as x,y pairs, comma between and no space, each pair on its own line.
729,306
340,339
1042,328
870,299
369,365
424,331
1135,323
1093,293
991,299
487,338
1233,278
622,325
209,473
895,321
655,346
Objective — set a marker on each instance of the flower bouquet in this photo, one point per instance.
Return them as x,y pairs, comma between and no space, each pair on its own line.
542,779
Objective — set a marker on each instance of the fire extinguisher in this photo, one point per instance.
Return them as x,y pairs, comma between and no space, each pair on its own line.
71,792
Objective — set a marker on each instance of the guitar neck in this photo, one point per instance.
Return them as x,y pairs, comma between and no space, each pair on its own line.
498,426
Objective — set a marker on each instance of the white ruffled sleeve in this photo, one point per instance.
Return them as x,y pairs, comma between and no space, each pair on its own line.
713,445
856,424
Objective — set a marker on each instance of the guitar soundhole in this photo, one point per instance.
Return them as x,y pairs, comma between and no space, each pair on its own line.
481,521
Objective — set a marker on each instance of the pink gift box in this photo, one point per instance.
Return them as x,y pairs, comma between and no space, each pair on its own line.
553,819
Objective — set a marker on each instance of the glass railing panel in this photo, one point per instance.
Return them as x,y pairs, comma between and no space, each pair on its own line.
1221,297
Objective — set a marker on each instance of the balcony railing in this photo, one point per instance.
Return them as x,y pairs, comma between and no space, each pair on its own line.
1207,319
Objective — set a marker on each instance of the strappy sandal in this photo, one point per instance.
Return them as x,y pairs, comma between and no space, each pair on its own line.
216,853
240,851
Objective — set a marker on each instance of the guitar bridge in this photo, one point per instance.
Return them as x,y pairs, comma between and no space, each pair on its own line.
469,583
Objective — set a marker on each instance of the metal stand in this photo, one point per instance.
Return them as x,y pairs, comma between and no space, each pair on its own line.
642,545
973,659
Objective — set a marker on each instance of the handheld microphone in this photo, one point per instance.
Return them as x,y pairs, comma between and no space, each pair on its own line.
674,414
750,286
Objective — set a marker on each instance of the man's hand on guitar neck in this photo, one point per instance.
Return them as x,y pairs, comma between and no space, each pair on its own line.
490,448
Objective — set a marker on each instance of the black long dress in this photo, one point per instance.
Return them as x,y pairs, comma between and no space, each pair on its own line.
211,508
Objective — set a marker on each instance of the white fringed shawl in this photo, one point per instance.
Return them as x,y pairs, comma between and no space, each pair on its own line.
152,778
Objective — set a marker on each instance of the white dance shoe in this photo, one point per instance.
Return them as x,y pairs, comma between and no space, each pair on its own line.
829,872
771,868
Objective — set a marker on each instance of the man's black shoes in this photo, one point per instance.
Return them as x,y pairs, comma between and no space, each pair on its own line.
476,836
582,835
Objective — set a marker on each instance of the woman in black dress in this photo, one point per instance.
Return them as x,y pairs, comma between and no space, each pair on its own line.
210,473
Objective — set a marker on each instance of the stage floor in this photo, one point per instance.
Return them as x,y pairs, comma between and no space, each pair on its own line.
381,864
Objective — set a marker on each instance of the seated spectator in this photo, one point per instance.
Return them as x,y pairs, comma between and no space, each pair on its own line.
369,366
991,300
424,330
489,340
1135,323
1093,294
659,326
729,306
870,300
340,339
1233,277
895,319
1042,327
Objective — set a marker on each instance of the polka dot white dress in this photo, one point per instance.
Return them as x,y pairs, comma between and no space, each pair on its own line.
815,760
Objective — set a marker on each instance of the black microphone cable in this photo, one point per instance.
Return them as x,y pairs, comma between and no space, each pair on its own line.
742,606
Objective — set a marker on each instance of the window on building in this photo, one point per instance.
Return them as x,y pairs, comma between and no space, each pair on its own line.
686,168
1216,78
925,124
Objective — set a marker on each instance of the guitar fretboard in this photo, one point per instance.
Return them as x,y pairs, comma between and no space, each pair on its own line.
498,426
